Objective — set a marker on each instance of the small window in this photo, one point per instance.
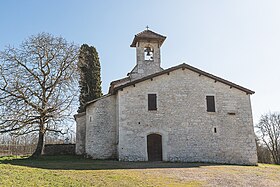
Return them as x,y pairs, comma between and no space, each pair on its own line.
152,101
210,101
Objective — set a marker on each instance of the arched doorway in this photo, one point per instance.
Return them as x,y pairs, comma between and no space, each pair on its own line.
154,146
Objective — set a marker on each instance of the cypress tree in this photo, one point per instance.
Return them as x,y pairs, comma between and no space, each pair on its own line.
90,79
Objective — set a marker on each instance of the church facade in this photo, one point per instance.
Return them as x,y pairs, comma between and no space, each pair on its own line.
179,114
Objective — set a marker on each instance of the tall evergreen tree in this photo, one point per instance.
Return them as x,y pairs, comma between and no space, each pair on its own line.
90,80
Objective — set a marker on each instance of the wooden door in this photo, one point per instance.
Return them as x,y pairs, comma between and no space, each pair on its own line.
154,146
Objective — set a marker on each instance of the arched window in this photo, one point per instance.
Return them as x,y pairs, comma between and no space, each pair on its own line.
149,53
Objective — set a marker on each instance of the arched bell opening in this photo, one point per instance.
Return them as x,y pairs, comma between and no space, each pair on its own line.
149,53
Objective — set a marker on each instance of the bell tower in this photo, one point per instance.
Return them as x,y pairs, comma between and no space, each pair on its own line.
147,44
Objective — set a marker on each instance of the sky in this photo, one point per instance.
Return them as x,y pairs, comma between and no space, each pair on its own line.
238,40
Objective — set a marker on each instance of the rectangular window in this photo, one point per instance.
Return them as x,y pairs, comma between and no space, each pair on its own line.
152,101
210,101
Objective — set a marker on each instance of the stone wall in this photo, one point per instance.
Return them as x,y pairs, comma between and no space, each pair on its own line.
80,133
101,128
186,127
59,149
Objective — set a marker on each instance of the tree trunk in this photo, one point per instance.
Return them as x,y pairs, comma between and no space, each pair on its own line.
40,145
278,159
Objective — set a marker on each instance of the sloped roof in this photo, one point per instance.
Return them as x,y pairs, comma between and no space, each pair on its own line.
147,35
183,66
116,82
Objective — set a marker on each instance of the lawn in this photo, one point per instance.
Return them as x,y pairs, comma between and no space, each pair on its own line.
77,171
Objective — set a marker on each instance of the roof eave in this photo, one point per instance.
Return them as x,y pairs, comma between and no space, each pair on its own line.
137,39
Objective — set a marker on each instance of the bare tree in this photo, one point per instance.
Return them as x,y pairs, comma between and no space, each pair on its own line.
17,145
264,155
269,133
37,86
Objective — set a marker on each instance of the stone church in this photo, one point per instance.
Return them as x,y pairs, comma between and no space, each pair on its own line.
179,114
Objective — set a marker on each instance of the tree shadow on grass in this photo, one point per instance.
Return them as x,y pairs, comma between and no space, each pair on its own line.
80,163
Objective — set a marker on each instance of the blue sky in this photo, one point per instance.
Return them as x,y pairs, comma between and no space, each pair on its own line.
238,40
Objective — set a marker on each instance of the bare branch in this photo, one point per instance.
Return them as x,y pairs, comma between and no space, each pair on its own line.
269,133
37,85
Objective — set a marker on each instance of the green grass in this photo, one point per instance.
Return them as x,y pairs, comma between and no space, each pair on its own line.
77,171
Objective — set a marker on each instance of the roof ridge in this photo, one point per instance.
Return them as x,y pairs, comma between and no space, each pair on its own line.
153,32
183,65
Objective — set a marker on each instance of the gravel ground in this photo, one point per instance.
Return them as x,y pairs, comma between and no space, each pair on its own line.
224,175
